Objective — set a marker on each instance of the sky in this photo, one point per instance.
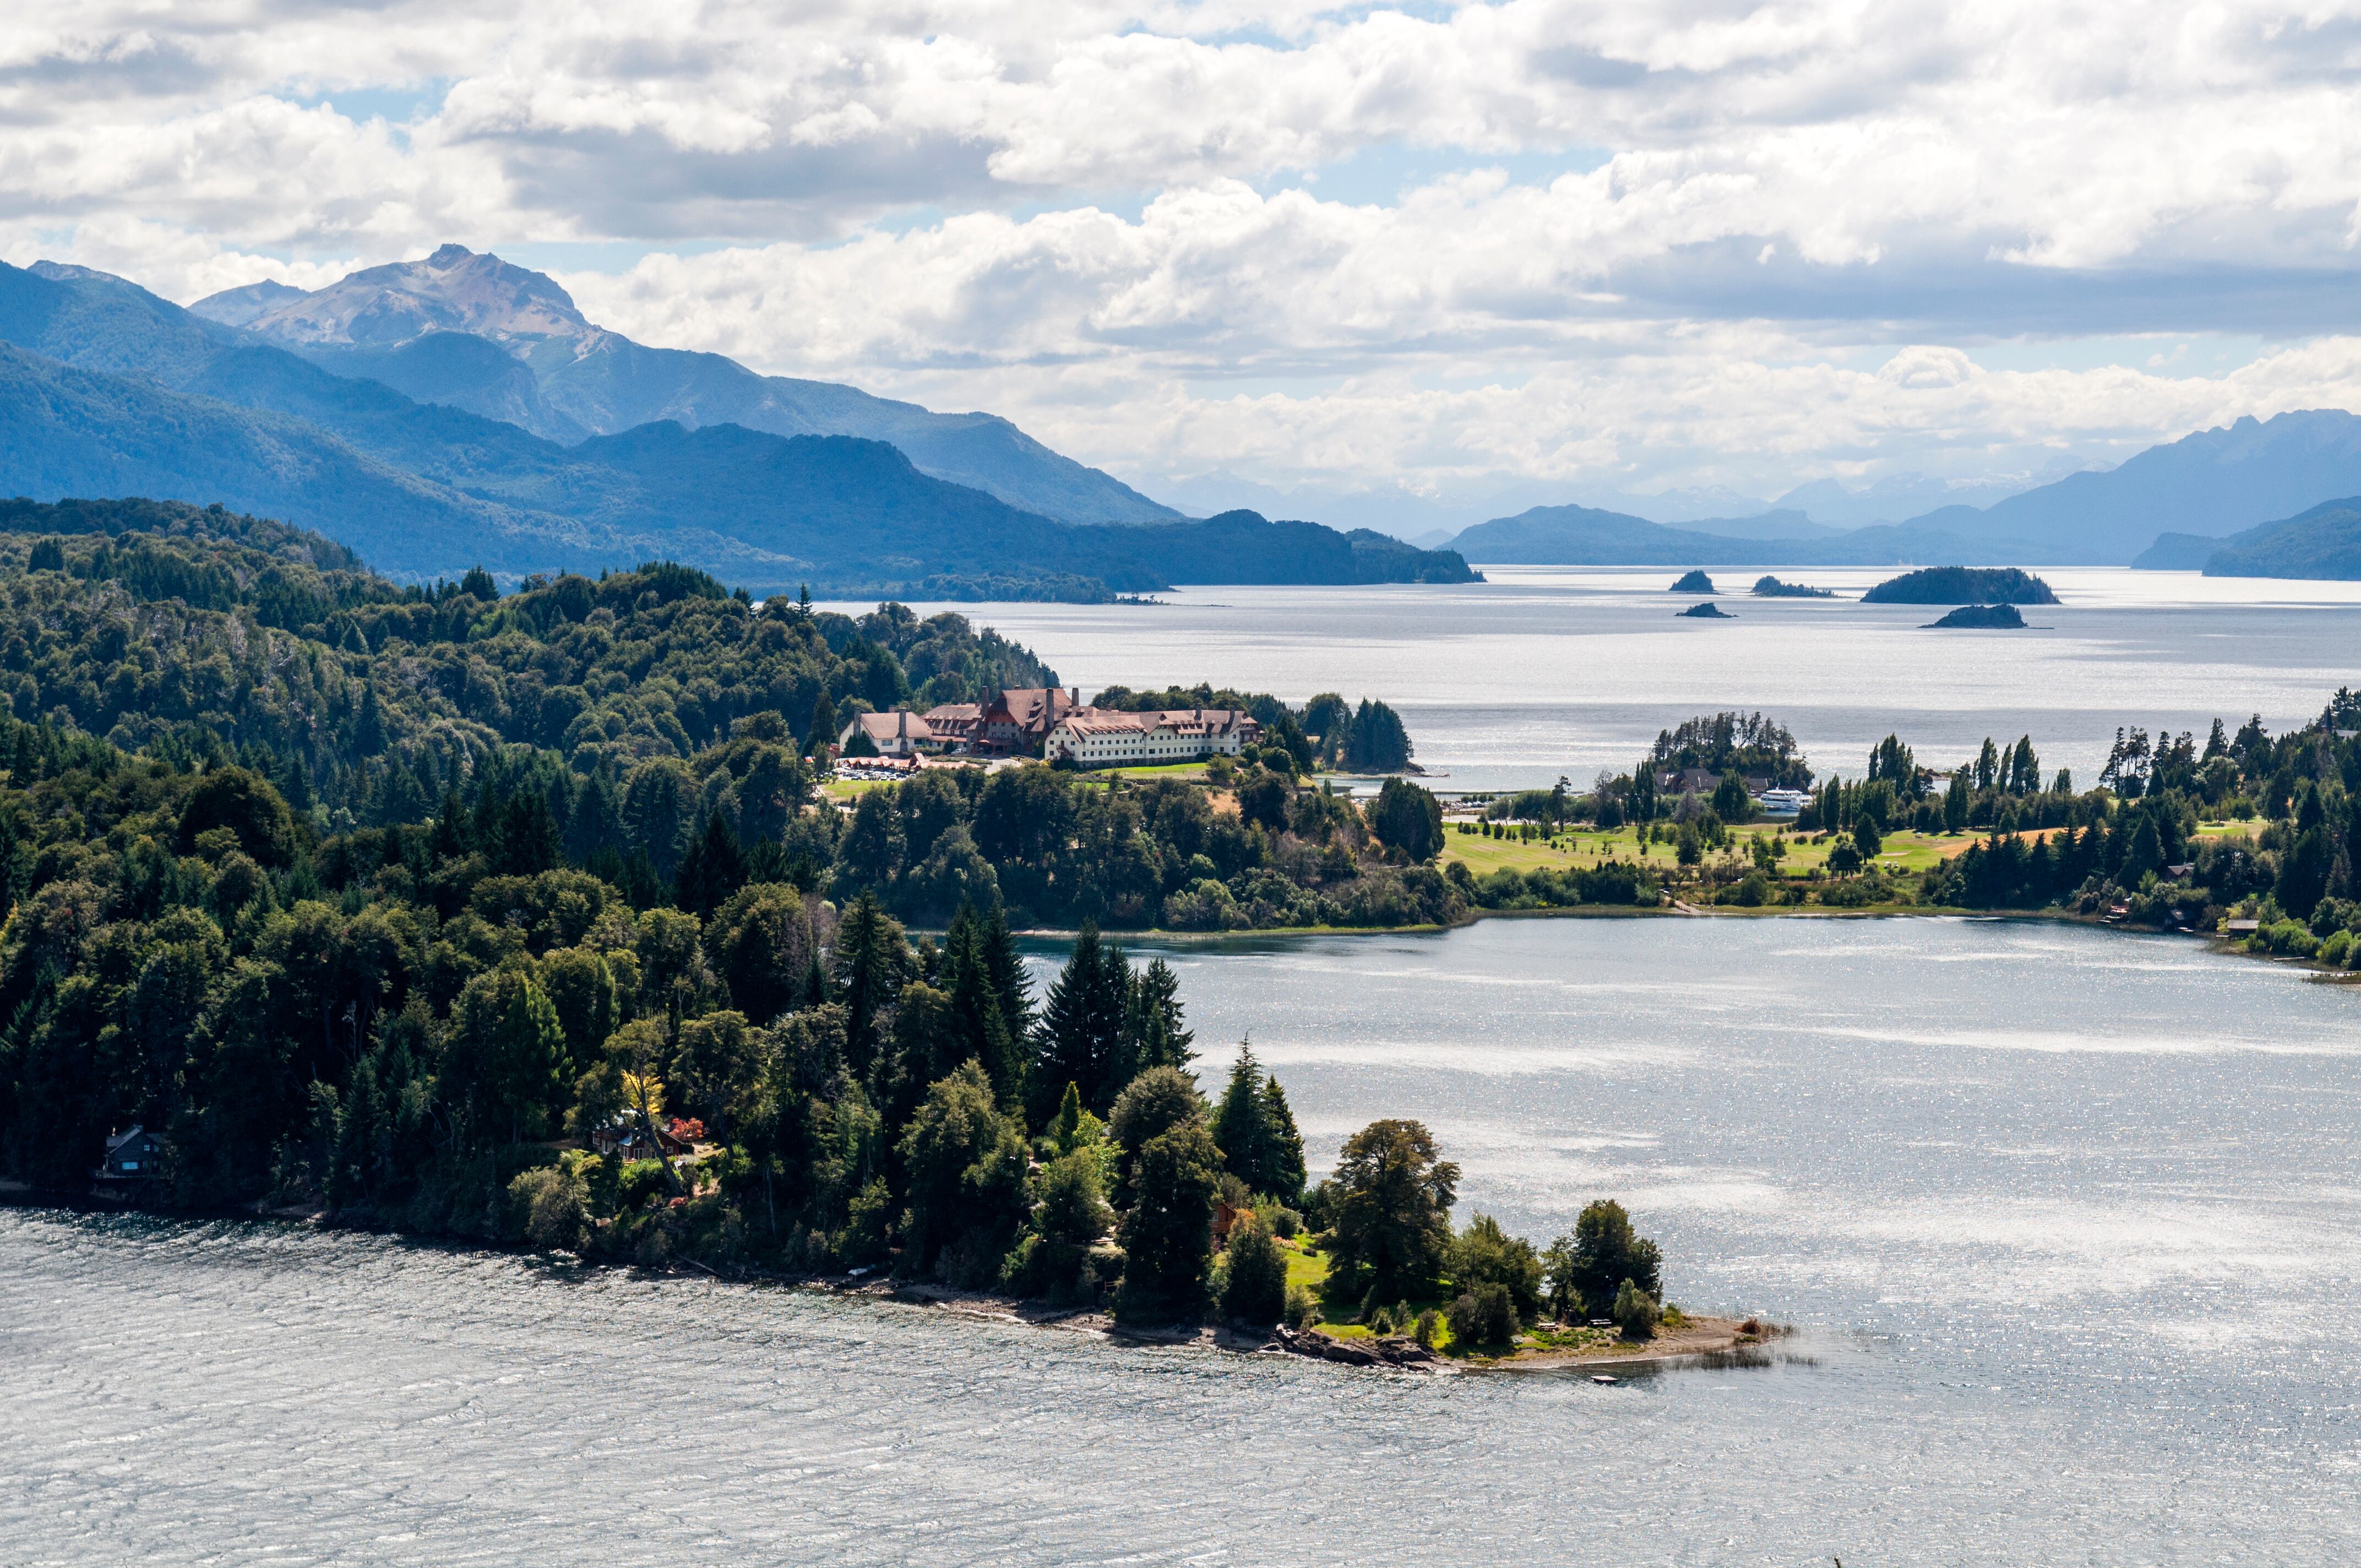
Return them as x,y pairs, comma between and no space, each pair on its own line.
1428,250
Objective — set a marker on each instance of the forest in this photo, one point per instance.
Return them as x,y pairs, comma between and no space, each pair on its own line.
526,917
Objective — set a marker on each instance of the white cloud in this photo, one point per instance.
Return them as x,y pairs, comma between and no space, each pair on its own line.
1791,190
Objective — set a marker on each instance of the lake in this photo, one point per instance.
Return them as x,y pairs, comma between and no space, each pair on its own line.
1540,671
2067,1218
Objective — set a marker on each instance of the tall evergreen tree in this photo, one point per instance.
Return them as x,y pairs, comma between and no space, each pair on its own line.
1083,1026
871,965
713,869
1006,966
981,1031
1155,1034
1286,1171
368,730
1238,1125
820,729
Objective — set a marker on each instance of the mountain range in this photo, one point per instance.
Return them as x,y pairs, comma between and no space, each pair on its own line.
461,408
474,331
2197,490
2322,543
107,390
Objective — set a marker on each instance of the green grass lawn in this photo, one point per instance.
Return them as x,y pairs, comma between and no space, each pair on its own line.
849,789
1153,771
1576,848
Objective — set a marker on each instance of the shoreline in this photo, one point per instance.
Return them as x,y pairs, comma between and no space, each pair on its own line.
1700,1341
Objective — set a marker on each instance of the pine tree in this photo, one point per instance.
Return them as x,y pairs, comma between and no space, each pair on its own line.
368,730
713,869
1155,1034
1286,1171
982,1032
1006,966
870,969
1238,1125
1083,1026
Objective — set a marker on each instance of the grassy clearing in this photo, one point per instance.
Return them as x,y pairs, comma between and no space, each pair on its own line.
1153,771
851,789
1579,848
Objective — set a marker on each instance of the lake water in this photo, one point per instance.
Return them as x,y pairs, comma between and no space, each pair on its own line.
1546,671
2068,1218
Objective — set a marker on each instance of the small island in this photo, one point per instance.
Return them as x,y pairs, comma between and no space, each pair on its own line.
1979,617
1709,610
1772,588
1695,582
1962,585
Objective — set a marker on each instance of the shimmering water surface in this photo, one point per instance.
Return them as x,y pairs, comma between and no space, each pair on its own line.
2068,1218
1545,671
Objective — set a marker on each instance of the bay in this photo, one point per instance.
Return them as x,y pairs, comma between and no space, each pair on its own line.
2066,1219
1540,671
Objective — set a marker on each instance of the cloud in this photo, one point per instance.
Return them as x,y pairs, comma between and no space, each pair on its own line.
1778,239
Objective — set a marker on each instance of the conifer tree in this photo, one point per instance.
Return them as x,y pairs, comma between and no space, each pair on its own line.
870,969
1285,1171
1239,1126
1083,1026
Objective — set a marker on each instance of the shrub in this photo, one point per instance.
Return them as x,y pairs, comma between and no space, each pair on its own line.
1302,1309
2337,949
1255,1289
1485,1255
552,1205
1428,1322
640,1181
1635,1313
1483,1316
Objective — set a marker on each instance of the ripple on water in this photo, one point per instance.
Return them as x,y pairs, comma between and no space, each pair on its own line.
2086,1304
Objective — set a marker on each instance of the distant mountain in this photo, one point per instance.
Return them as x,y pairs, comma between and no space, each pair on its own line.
2179,552
2322,544
2213,483
65,432
1788,524
384,321
207,414
237,307
1896,497
1581,536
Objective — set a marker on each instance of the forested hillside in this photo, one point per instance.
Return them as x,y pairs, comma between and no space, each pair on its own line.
360,894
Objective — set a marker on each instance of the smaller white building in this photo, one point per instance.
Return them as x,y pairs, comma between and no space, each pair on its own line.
1110,738
900,733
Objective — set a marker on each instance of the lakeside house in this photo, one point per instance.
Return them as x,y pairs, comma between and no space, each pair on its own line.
1106,738
627,1138
134,1156
1672,783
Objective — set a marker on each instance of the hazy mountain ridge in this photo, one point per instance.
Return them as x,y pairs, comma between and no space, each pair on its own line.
2213,483
2323,544
2207,485
587,380
1586,536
